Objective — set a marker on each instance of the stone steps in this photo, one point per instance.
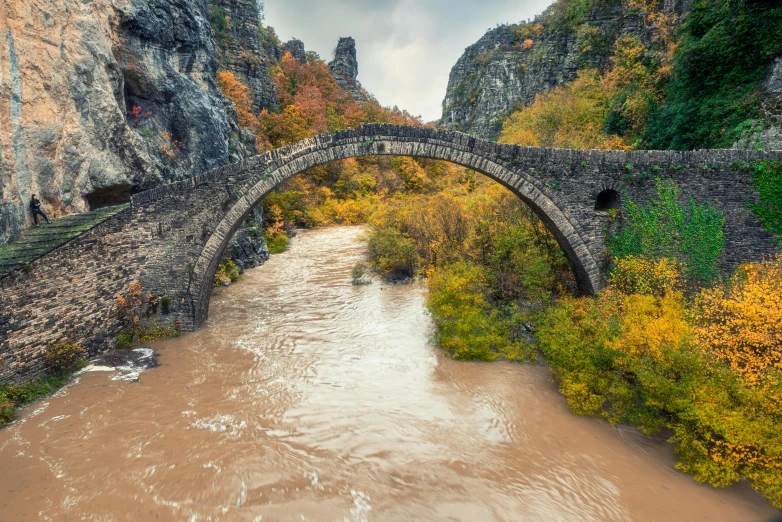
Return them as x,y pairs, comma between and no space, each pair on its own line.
37,242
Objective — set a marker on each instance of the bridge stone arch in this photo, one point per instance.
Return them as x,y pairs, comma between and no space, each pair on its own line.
172,237
266,173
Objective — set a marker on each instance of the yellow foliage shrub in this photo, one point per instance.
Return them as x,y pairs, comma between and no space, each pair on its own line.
570,116
638,275
741,323
226,274
467,327
649,324
63,357
708,371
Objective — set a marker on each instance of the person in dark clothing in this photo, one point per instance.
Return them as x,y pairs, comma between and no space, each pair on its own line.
35,207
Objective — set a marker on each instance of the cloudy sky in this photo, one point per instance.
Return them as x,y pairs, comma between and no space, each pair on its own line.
406,48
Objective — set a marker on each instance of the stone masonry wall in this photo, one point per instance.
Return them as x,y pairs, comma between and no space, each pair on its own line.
70,294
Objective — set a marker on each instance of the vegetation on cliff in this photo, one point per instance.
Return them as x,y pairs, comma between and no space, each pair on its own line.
722,56
684,82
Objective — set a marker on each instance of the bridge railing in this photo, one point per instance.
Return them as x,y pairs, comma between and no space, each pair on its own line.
513,156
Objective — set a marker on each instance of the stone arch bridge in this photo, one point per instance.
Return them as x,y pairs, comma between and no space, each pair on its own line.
172,238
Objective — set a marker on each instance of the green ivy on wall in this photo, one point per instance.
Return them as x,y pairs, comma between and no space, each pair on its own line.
767,176
664,228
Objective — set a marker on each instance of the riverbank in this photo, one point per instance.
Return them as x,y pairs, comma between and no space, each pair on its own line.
125,364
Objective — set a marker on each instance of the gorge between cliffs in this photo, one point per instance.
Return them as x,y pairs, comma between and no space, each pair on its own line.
234,285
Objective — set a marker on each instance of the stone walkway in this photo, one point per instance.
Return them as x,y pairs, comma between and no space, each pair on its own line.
37,242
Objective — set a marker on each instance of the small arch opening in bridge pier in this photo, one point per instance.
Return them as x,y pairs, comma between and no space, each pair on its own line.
608,199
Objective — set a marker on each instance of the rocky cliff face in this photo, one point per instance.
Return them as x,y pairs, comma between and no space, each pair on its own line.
104,98
248,249
344,67
769,133
296,48
245,48
510,65
101,98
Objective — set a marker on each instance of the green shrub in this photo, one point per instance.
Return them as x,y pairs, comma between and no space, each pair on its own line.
60,358
517,265
277,243
125,339
218,19
165,302
6,410
392,254
227,273
15,397
155,332
358,273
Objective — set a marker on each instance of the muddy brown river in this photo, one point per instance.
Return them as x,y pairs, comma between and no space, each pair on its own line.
308,399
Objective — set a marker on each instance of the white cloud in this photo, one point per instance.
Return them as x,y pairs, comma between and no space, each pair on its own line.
406,48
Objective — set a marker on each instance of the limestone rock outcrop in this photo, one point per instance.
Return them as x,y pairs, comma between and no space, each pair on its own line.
504,69
245,48
296,48
102,98
248,248
344,67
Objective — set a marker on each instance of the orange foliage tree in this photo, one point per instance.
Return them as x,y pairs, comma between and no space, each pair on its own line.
311,102
240,95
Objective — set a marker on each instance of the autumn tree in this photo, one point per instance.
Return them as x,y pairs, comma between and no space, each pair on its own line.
240,95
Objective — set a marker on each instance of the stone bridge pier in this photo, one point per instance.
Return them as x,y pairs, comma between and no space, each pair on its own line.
173,237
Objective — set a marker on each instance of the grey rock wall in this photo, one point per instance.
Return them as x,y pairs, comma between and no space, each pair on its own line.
165,58
296,48
248,250
344,67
